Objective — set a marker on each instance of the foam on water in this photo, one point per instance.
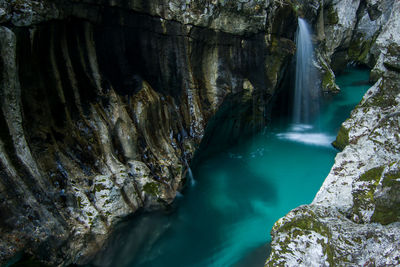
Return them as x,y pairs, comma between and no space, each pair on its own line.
301,127
305,133
316,139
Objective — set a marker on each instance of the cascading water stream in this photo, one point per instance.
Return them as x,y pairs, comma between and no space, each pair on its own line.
306,93
190,176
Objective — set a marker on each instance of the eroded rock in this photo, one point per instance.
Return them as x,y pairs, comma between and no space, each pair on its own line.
104,104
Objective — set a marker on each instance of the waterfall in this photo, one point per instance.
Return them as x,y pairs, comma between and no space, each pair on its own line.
190,177
306,92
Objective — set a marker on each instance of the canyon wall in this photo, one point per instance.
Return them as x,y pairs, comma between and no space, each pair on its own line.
103,104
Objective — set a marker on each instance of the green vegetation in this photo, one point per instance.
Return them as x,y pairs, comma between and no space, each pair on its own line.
307,222
359,48
385,215
328,82
383,98
387,208
372,175
331,16
99,187
342,139
304,225
151,188
79,201
364,199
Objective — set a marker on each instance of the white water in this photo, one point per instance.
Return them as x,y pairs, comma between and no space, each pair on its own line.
306,100
305,133
190,176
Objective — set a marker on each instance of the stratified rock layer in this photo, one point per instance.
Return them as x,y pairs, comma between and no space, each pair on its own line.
104,103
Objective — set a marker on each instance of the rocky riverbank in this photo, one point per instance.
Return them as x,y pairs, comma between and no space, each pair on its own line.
354,219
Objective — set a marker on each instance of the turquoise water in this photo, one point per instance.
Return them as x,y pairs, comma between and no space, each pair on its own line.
225,218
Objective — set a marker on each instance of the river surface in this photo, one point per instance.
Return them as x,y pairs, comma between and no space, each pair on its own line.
226,217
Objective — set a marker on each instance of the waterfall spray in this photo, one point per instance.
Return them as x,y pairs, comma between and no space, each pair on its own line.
306,91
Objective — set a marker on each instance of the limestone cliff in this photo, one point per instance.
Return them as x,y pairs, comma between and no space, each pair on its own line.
104,102
354,219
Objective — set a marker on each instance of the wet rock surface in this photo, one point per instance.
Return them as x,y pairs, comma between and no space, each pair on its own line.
104,103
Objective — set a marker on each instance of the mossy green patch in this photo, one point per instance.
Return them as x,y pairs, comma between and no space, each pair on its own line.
151,188
342,139
79,202
328,82
306,222
385,215
372,175
387,205
331,15
303,224
383,101
359,48
393,49
99,187
390,179
385,96
364,198
328,251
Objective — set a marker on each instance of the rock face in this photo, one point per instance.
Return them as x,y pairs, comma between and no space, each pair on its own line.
354,219
350,31
104,102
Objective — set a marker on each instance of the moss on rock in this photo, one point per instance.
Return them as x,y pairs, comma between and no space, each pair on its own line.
331,15
387,205
305,223
385,215
151,189
342,139
328,82
383,98
301,226
360,48
372,175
